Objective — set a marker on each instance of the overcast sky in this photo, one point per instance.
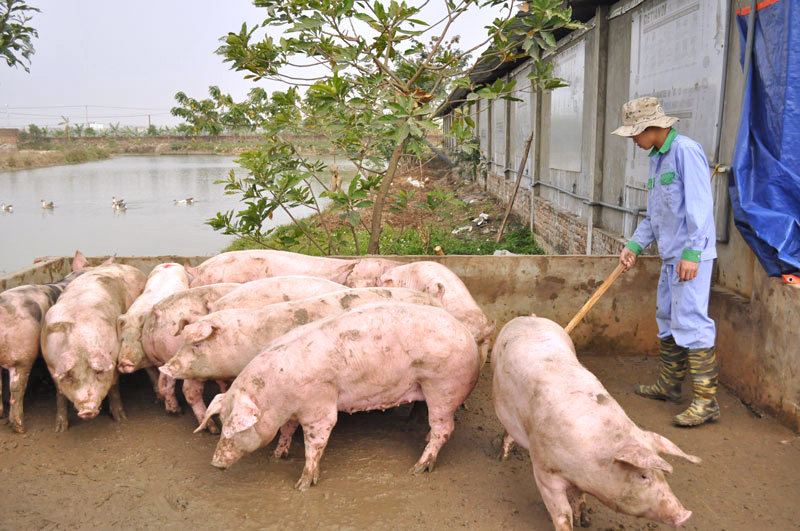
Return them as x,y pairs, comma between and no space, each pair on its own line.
126,60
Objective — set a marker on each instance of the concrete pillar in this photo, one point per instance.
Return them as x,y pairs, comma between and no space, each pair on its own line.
599,65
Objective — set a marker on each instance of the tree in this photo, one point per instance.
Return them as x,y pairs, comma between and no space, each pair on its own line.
377,74
220,112
15,35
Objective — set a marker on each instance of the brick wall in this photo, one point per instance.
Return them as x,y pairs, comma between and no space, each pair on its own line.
558,231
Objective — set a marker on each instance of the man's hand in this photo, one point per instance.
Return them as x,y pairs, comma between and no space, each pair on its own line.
627,258
686,270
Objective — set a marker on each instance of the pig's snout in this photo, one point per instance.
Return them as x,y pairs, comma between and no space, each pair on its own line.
226,454
88,413
126,366
682,518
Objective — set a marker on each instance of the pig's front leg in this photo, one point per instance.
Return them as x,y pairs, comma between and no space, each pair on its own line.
193,392
315,437
285,440
508,445
115,403
166,391
441,421
62,418
153,374
553,490
577,500
18,378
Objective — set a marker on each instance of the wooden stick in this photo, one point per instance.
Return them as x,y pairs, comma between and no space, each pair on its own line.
594,298
516,187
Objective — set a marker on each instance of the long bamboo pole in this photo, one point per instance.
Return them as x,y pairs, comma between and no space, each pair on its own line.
516,187
594,298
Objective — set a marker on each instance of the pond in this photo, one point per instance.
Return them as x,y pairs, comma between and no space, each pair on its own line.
83,218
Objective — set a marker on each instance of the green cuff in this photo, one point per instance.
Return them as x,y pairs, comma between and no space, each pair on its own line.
635,247
690,255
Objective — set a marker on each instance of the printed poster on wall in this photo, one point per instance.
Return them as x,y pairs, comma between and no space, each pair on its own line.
566,109
677,54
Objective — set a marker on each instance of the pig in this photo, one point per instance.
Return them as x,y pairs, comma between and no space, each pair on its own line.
163,280
219,345
375,356
244,266
80,343
22,310
162,326
438,280
262,292
580,440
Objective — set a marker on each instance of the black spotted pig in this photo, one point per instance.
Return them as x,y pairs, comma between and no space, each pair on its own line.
580,440
364,359
22,310
80,343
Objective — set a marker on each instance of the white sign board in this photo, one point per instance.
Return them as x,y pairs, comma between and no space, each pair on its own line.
566,109
677,54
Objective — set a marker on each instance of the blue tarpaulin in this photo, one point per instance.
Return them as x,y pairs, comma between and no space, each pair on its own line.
765,179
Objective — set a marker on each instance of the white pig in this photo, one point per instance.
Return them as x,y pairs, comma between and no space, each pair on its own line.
372,357
264,291
438,280
79,339
580,440
163,280
22,310
219,345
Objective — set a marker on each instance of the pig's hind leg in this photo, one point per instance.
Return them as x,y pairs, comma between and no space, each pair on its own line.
553,490
508,445
315,436
440,419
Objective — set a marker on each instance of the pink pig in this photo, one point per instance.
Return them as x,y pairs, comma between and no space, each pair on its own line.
244,266
163,280
262,292
22,310
360,360
580,439
438,280
79,339
162,327
221,344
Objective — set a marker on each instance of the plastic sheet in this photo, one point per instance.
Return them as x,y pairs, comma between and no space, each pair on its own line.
765,179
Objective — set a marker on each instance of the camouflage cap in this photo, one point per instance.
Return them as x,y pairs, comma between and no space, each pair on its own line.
641,113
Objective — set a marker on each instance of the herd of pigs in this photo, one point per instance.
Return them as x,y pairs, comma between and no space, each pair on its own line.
291,340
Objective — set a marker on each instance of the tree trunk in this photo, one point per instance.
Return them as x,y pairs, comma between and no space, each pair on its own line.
383,191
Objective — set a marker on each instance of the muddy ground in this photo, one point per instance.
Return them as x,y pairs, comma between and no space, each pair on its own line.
151,472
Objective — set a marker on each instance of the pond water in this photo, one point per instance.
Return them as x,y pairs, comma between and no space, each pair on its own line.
84,219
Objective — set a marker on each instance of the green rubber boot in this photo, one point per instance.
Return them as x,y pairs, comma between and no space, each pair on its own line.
704,371
671,374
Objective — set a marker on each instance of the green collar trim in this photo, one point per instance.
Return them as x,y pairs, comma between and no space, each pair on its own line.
666,145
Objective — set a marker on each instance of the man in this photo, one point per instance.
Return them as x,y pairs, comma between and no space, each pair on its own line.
680,220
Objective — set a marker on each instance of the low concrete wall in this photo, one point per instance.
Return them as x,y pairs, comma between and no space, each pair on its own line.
757,340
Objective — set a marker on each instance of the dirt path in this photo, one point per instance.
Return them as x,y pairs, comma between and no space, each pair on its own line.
151,472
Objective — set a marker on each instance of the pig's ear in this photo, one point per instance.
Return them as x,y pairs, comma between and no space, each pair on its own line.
192,271
665,446
213,408
639,456
182,322
64,363
101,363
340,275
110,260
438,292
244,414
79,262
196,332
